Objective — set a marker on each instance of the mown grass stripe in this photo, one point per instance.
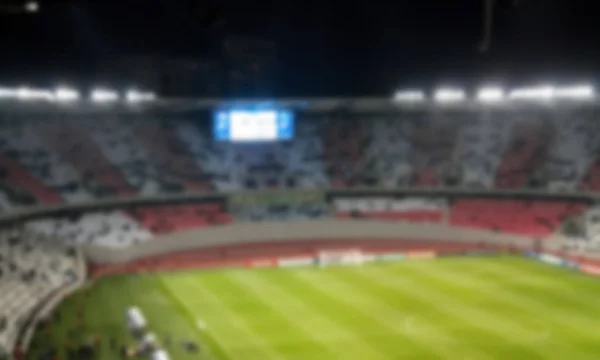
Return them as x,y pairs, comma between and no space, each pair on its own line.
218,352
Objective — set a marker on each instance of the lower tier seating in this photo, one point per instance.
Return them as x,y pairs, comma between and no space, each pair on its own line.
32,267
530,218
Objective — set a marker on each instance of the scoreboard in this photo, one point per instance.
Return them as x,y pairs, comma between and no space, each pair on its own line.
239,125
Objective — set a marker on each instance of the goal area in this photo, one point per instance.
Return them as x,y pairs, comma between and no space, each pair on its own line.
340,257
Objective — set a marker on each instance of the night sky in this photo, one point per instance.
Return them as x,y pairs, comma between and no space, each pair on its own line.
323,47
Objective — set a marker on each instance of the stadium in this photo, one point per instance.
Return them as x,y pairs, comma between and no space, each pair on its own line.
450,226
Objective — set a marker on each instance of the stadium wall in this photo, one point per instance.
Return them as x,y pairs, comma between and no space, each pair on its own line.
293,253
315,230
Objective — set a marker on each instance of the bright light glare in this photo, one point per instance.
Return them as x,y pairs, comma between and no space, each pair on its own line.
65,94
32,7
25,93
409,96
490,95
575,92
449,95
104,96
6,93
137,96
536,93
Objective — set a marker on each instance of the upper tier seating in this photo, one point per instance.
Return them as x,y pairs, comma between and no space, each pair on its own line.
481,145
573,151
86,157
526,153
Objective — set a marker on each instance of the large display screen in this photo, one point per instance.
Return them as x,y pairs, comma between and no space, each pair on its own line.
253,125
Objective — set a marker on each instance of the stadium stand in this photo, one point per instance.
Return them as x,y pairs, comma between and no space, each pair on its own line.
32,267
23,145
481,144
433,146
80,160
345,141
571,154
119,144
387,159
532,218
164,219
97,175
525,154
419,210
99,157
279,212
171,155
110,228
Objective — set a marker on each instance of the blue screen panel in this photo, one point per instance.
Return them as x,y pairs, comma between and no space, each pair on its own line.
240,125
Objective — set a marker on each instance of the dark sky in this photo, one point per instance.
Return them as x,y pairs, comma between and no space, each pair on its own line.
327,47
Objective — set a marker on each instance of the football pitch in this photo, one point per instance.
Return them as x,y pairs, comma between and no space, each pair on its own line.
455,308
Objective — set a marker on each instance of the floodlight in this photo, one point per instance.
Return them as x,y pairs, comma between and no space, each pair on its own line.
6,93
409,96
447,95
104,96
135,96
535,93
490,94
575,92
32,6
64,94
25,93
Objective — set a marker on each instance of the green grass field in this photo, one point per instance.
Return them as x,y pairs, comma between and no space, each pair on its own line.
454,308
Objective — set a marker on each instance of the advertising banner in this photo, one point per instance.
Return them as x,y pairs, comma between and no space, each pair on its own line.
261,263
295,262
391,257
420,255
369,257
590,269
551,259
532,254
570,264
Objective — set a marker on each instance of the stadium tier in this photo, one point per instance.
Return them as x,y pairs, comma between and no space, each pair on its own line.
86,194
78,159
